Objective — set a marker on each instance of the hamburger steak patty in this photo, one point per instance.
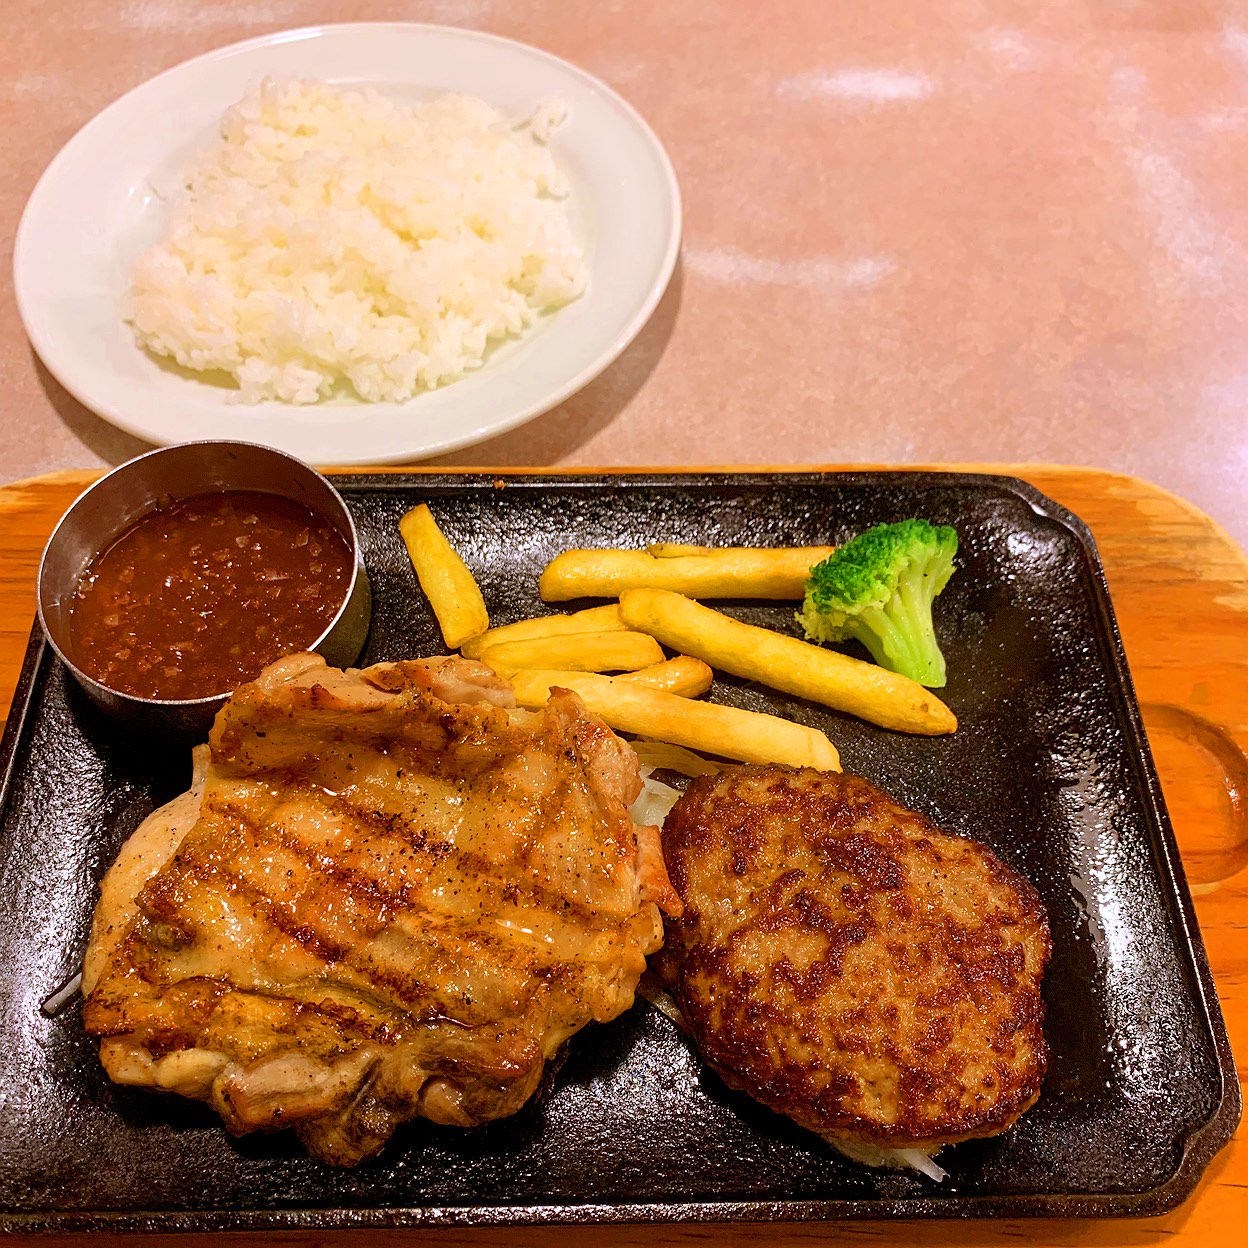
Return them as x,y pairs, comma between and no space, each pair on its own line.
849,965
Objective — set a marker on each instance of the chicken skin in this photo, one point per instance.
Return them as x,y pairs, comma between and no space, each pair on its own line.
388,894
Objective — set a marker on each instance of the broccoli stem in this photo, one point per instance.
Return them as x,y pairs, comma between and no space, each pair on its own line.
900,634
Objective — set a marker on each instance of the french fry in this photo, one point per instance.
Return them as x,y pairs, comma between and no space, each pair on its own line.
669,550
452,592
697,572
684,676
594,620
577,652
863,689
627,706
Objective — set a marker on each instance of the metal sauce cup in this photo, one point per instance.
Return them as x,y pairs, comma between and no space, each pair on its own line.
158,479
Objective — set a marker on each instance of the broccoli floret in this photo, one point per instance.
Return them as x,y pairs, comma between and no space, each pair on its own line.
878,589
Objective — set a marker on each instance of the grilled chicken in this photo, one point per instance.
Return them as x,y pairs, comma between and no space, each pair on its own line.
388,894
847,964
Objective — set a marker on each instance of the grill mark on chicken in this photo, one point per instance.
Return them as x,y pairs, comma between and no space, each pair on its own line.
164,905
490,885
388,905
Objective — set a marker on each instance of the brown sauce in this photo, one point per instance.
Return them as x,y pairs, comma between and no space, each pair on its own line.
195,598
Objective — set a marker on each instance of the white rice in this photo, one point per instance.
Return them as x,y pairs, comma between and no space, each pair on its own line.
335,241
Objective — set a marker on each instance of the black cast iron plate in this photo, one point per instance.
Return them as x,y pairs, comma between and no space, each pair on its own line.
1050,767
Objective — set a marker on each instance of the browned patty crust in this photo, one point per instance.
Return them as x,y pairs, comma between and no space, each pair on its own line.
846,963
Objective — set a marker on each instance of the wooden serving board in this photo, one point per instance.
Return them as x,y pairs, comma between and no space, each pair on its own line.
1180,589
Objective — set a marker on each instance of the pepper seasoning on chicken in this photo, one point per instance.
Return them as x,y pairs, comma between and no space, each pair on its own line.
388,894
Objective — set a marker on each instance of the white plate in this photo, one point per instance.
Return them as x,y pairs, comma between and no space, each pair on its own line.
99,205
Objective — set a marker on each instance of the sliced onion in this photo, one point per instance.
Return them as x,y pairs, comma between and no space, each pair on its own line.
918,1160
661,999
896,1158
653,802
62,997
661,755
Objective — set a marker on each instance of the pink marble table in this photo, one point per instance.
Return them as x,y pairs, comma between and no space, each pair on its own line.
970,230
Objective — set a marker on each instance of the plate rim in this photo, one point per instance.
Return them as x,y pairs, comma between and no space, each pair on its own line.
40,337
1197,1148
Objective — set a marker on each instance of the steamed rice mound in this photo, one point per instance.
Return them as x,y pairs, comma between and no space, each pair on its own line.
334,238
